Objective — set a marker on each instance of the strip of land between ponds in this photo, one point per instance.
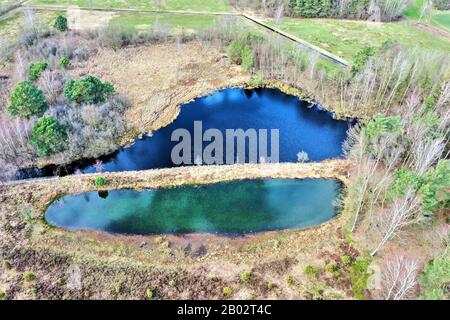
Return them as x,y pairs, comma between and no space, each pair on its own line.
41,192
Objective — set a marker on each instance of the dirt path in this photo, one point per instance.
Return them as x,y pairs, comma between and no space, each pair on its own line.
431,29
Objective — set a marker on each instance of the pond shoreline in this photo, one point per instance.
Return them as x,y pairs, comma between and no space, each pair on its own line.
40,193
229,209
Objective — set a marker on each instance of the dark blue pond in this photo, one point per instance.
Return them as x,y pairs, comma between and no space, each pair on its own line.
235,207
302,127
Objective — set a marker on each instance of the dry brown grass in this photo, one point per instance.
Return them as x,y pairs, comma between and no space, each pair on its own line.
158,78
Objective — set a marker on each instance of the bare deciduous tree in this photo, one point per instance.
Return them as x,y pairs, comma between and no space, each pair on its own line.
403,212
399,278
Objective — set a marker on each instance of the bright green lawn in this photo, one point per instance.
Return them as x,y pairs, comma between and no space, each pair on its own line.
185,5
144,21
440,19
344,38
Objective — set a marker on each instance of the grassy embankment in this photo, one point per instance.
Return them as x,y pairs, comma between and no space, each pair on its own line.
11,23
345,38
437,18
175,5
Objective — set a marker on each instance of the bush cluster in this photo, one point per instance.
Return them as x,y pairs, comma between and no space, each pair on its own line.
36,70
27,101
100,182
241,53
88,90
64,62
49,136
61,23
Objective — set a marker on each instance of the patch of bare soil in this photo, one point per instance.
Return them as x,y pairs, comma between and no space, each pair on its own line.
158,78
87,20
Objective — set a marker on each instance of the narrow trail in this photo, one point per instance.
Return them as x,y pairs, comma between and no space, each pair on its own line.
431,29
322,52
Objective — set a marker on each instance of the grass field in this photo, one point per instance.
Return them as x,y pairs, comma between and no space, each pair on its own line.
11,23
184,5
145,21
440,19
345,38
4,3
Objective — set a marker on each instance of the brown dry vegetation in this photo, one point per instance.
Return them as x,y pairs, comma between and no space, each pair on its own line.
156,85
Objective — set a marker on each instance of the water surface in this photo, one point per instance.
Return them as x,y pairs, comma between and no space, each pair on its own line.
236,207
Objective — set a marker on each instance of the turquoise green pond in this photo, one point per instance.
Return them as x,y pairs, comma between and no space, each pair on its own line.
236,207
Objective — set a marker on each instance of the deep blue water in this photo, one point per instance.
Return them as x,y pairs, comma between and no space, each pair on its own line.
235,207
301,128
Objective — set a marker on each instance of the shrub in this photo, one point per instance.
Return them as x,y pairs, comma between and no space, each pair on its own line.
435,279
269,286
100,182
226,291
331,268
246,276
247,58
381,124
433,189
2,295
241,54
346,260
7,265
291,280
64,62
49,136
361,59
234,51
403,180
27,100
61,23
27,214
34,291
88,90
94,130
29,276
119,288
149,293
311,271
359,276
36,69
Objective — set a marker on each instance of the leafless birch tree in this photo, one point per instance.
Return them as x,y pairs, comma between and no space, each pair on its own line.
399,278
403,212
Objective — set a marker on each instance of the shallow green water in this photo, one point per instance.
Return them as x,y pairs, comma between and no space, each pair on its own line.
235,207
